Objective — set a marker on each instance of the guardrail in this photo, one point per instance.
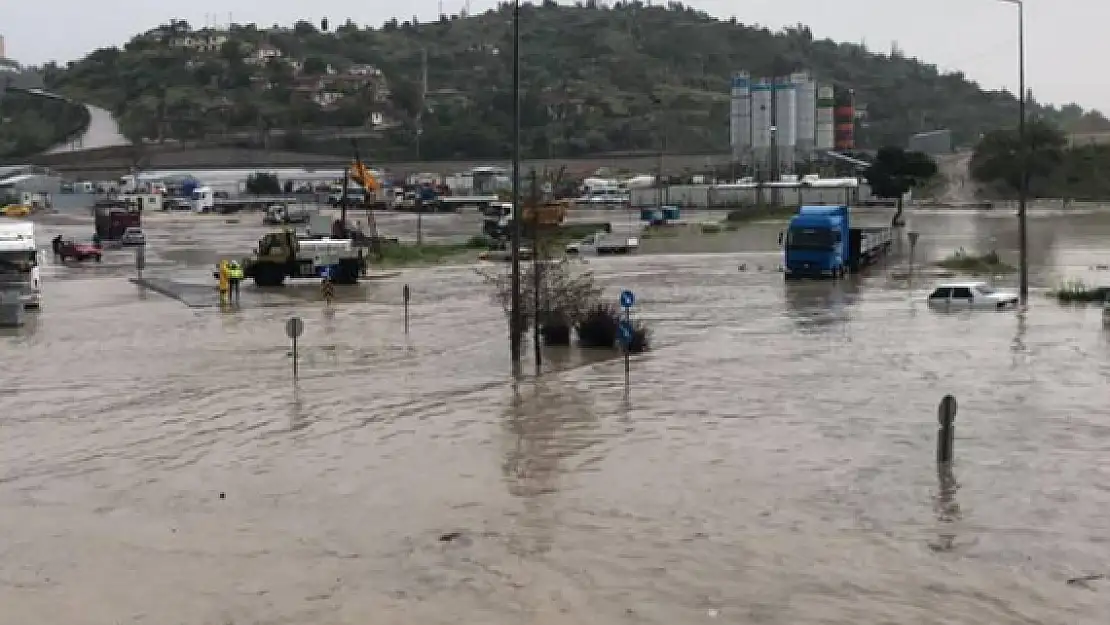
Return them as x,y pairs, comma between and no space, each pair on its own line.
1041,204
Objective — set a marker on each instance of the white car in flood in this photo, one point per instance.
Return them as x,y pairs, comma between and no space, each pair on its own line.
971,296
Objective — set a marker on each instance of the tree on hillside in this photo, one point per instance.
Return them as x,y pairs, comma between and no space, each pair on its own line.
895,171
591,72
997,158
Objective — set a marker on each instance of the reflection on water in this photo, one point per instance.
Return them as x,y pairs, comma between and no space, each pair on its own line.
820,304
946,507
546,425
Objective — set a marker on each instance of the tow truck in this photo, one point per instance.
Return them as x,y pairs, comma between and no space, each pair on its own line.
282,254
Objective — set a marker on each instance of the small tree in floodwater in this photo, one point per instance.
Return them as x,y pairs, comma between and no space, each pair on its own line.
569,298
556,295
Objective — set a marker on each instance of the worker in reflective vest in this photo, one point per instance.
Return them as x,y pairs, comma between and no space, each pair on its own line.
224,280
235,276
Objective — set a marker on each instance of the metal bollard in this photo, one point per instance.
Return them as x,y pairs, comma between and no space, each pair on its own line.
946,432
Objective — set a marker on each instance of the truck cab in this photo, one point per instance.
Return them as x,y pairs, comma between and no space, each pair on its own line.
816,242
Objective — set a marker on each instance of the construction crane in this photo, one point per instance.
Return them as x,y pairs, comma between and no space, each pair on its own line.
360,174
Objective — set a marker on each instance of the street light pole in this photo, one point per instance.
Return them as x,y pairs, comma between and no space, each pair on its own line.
515,330
1023,158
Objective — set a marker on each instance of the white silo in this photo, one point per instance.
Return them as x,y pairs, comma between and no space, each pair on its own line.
806,98
761,122
825,138
740,116
786,123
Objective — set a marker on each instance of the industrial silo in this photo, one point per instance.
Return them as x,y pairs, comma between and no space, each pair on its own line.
825,136
761,122
740,117
845,118
786,123
806,97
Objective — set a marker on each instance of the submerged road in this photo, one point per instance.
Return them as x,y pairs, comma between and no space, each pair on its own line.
773,462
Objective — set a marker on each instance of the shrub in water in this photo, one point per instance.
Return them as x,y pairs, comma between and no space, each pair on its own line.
598,328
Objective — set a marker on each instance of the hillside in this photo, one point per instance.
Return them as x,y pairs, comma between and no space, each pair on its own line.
595,79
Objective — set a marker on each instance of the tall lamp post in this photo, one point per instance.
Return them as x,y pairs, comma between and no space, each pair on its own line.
1023,156
515,325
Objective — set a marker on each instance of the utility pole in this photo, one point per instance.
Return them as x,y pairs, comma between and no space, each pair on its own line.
423,98
1023,158
535,203
514,314
419,131
1023,191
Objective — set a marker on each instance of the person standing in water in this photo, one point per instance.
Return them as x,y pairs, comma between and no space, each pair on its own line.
234,278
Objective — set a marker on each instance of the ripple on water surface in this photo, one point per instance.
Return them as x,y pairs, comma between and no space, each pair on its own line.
773,462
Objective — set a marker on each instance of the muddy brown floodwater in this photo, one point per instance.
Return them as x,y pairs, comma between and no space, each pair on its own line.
773,463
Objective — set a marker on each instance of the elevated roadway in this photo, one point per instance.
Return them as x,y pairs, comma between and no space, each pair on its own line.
113,161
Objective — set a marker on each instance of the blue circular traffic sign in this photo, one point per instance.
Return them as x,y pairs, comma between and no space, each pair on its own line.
627,299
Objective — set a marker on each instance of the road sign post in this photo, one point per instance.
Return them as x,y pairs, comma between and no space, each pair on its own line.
294,328
625,333
140,261
405,294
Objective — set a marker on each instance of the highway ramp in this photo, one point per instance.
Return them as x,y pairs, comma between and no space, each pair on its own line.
103,132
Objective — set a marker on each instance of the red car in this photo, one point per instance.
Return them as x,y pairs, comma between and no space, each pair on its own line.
79,250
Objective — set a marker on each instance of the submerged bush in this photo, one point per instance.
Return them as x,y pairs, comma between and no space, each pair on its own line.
989,262
1076,292
599,329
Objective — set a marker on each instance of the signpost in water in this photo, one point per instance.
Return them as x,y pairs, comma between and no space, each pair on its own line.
625,332
294,328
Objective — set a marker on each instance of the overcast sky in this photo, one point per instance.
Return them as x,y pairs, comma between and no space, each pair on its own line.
1067,40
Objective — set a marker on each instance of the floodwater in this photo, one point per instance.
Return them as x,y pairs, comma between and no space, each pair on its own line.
773,461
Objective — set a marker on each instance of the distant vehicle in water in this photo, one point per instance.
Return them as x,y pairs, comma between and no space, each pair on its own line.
113,218
278,215
79,250
820,242
971,295
602,243
133,237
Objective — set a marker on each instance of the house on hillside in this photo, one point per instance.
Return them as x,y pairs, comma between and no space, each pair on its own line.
263,54
205,41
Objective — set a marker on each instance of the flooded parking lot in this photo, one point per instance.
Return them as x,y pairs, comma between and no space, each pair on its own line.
772,463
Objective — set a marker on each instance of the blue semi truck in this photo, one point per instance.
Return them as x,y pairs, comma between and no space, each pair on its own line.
820,242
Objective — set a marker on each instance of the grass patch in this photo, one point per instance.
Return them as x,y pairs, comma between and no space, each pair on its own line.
1076,292
402,255
756,213
989,263
668,231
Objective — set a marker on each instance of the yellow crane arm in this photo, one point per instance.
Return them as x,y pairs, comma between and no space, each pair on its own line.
361,174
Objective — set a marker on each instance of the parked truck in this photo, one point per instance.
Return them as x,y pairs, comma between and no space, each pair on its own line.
820,242
282,255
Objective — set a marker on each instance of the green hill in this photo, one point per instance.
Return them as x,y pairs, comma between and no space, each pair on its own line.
595,79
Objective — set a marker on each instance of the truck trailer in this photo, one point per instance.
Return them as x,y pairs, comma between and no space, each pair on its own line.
820,242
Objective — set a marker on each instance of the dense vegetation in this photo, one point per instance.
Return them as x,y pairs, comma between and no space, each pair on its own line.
595,79
1056,169
30,125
